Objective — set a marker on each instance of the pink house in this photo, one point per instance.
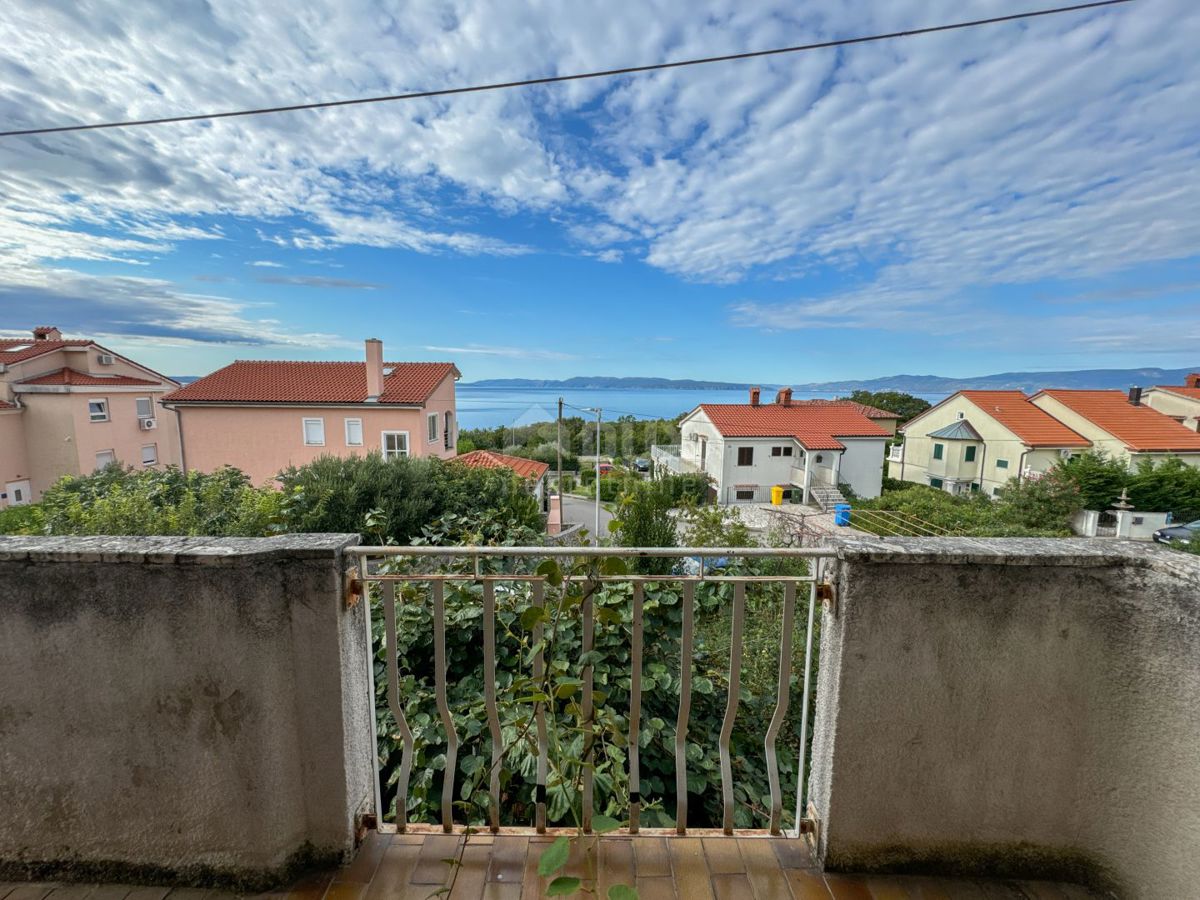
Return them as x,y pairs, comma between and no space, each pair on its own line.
263,416
70,407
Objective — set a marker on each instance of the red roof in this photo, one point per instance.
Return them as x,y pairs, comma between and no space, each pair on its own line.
251,381
489,459
1189,392
4,404
815,426
75,377
20,349
871,412
1030,423
1139,427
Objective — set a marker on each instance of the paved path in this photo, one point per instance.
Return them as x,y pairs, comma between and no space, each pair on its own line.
578,511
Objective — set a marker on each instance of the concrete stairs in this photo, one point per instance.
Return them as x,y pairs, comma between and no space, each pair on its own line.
825,496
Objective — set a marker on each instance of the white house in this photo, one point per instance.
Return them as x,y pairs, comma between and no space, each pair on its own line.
748,448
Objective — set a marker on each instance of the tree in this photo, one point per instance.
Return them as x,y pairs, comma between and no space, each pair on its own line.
1098,476
906,406
644,520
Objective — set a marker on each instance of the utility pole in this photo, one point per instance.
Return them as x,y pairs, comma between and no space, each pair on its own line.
560,481
597,411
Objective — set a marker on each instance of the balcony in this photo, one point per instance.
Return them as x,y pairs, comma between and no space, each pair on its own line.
895,452
192,711
669,458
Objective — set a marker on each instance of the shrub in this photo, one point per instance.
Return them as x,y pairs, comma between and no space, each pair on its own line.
644,520
25,519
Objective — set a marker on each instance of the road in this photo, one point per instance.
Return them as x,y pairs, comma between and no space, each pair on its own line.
578,511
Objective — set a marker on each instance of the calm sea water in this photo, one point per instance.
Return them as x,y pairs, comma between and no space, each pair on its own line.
481,407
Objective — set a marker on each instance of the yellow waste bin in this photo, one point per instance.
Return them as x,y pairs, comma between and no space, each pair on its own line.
777,495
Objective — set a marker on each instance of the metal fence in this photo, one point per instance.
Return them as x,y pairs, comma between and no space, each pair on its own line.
425,573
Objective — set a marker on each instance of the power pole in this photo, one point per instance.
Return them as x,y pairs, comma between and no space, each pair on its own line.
560,481
597,532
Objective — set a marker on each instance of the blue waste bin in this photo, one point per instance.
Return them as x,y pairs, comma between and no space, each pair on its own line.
841,514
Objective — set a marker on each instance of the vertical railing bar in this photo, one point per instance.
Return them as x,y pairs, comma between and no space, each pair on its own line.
801,779
393,696
685,706
489,699
589,629
635,710
439,664
731,705
539,672
370,643
783,693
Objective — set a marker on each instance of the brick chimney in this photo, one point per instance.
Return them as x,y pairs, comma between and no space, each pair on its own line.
47,333
784,397
374,369
755,394
1192,381
1135,396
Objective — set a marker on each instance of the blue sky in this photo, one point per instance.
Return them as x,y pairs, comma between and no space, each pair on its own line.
1015,197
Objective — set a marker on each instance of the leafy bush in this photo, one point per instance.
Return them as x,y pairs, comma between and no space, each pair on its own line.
687,487
644,520
1029,509
25,519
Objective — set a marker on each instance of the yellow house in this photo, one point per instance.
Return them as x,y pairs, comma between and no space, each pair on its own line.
1180,402
977,440
1121,425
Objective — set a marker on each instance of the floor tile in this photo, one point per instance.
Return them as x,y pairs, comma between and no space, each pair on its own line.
362,869
650,857
657,887
732,886
807,885
689,868
723,856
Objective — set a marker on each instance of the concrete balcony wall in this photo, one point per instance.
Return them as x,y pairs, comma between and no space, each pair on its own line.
1012,706
180,709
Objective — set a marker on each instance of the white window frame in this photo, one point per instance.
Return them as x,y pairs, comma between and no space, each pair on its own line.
361,436
431,427
304,423
102,416
449,431
153,448
112,458
149,406
383,444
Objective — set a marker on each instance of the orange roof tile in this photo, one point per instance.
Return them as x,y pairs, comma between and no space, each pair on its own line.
1139,427
815,426
251,381
1189,392
20,349
871,412
1032,424
68,376
490,459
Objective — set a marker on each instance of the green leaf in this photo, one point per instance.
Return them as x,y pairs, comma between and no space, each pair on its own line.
608,616
551,571
702,686
555,857
604,824
622,892
532,616
562,885
566,687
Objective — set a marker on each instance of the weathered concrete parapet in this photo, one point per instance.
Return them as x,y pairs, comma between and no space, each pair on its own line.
191,709
1012,707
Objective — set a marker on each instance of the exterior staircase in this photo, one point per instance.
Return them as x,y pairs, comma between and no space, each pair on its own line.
826,496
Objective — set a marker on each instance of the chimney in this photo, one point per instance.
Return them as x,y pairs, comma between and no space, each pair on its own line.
374,369
1192,381
755,394
47,333
1135,396
784,397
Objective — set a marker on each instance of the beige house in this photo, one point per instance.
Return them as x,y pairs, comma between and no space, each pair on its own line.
1180,402
264,416
977,440
1121,425
70,407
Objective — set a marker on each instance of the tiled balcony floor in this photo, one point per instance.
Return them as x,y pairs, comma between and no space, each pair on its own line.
504,867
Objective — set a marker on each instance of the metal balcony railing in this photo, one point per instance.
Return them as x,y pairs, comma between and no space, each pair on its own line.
541,589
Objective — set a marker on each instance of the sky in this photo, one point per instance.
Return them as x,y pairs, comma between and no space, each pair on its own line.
1022,196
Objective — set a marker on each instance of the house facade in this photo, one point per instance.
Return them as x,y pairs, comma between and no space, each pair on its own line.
975,441
1180,402
748,448
71,407
1121,425
264,416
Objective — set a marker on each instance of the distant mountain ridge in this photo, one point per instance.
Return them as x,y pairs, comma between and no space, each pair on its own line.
1094,379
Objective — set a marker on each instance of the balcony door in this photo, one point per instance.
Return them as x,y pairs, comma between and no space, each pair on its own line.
703,453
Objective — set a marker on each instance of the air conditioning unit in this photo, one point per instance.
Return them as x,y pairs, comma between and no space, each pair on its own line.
149,424
106,359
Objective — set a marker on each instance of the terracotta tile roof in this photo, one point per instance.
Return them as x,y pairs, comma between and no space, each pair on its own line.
75,377
1139,427
490,459
871,412
815,426
1189,392
15,350
4,404
251,381
1032,424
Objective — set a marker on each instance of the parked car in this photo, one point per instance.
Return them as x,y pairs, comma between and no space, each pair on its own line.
642,465
1179,534
605,469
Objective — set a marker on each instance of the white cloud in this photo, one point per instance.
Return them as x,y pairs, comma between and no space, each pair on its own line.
504,352
266,264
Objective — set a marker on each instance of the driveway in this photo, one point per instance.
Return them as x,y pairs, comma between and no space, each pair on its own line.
580,511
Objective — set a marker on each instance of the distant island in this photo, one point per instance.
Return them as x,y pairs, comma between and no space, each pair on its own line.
912,384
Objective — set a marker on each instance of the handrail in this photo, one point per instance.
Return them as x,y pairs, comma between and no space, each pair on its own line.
628,552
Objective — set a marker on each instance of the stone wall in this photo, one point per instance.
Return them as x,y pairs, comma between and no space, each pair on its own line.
1012,707
187,709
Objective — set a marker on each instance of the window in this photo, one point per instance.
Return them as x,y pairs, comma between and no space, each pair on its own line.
935,483
744,494
98,410
448,431
149,454
974,487
395,443
969,454
105,458
145,409
777,451
354,433
1002,464
432,422
745,456
787,451
961,416
996,491
938,450
314,432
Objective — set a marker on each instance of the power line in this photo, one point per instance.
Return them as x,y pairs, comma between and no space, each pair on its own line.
580,76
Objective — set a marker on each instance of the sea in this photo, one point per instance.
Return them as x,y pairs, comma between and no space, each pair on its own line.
491,407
